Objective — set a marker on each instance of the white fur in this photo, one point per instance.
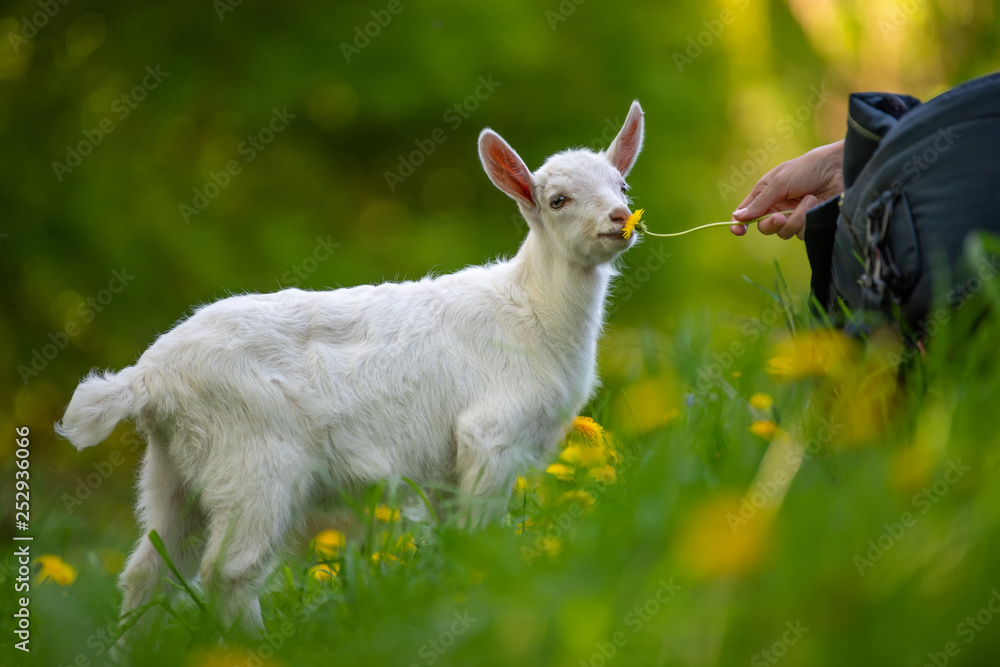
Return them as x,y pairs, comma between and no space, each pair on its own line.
257,406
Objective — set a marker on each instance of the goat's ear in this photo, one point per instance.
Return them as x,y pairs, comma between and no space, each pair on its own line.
505,167
625,148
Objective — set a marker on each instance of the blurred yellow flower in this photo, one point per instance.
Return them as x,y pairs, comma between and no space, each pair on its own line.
524,525
551,545
764,428
648,404
385,514
761,401
560,471
710,545
324,571
55,569
406,544
227,656
814,353
631,223
379,557
585,455
862,403
604,474
590,430
520,485
580,497
329,543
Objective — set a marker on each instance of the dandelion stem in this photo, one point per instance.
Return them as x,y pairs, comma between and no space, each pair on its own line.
641,226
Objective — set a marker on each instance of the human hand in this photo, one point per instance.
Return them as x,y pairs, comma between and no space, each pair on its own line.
797,184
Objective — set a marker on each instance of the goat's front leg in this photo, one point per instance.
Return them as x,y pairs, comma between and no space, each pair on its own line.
488,459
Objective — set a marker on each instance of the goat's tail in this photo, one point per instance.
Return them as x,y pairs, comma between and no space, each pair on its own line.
99,403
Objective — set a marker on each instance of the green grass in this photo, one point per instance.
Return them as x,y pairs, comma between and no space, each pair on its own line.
653,571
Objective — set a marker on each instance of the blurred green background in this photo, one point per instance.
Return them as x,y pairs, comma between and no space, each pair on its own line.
565,74
729,88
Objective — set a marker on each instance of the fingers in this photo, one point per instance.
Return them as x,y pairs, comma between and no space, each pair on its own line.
796,224
772,224
738,230
757,188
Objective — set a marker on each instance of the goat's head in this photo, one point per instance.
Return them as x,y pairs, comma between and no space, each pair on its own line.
576,202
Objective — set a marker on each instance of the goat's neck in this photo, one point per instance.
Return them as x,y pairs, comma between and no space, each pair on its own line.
566,299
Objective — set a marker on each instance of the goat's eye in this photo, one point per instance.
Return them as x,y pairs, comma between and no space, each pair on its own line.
623,188
558,201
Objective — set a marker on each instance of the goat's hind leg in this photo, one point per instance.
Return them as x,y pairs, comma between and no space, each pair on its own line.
165,507
250,512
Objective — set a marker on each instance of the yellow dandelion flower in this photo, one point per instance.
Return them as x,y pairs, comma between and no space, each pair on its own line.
590,430
56,569
588,456
329,543
385,514
524,525
765,428
406,544
604,474
630,224
227,657
761,401
717,541
815,353
379,557
551,545
560,471
579,496
520,485
324,571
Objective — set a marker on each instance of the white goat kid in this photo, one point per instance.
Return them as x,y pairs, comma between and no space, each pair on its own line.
259,406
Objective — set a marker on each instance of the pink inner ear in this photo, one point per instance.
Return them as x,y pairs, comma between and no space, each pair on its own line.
510,170
626,146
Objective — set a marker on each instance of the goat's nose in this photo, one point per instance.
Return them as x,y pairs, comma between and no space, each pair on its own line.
620,215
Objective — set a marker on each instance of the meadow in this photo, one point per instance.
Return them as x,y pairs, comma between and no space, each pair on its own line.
746,486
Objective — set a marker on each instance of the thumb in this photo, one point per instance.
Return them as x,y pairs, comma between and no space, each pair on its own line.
760,204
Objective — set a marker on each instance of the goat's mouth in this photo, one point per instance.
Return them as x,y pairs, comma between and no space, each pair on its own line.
617,236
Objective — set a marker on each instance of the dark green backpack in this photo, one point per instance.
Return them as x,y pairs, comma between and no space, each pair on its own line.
920,180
